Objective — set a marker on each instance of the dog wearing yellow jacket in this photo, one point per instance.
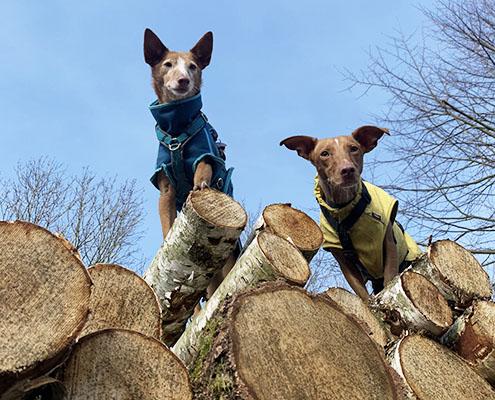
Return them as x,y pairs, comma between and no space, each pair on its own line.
357,218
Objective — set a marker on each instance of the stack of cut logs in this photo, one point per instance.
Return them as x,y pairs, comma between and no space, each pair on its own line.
67,332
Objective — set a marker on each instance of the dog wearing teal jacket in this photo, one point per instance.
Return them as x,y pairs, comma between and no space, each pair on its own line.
189,154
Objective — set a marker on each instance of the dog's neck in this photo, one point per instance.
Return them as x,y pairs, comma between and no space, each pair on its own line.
337,196
175,116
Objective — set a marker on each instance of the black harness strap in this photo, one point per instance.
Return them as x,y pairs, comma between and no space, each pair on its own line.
342,228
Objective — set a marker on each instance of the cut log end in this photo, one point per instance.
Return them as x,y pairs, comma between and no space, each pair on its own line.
435,373
460,269
122,299
286,344
427,299
121,364
354,306
284,257
44,285
218,209
288,222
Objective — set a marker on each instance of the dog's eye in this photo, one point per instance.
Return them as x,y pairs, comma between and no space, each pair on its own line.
354,149
168,64
324,153
192,67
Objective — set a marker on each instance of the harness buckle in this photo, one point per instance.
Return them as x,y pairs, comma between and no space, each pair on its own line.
174,145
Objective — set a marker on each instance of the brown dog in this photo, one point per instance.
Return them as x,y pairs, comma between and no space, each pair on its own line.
189,154
177,78
357,219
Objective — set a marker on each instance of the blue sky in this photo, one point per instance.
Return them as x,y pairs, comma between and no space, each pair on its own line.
75,86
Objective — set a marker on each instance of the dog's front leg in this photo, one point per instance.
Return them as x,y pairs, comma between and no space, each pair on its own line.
352,275
166,203
202,175
391,263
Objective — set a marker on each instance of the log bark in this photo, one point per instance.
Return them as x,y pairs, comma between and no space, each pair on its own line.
433,372
455,272
278,342
352,305
269,257
123,364
44,387
122,299
413,303
202,238
44,301
291,224
473,337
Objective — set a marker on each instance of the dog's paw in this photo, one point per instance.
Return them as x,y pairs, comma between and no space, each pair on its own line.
201,186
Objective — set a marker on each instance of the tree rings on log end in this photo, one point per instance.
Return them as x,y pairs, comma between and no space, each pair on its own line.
357,308
44,299
218,209
435,373
460,270
427,299
122,299
294,225
122,364
284,257
286,344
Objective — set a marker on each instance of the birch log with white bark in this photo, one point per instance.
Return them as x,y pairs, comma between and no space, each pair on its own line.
412,302
123,364
202,238
354,306
433,372
473,337
277,342
455,272
291,224
44,301
121,299
269,257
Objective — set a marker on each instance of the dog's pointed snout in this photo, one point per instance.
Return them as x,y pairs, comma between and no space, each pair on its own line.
183,81
348,171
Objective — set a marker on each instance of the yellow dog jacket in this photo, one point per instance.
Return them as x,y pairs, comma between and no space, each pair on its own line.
368,232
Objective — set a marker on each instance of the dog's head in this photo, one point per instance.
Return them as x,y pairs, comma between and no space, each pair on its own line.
338,160
176,75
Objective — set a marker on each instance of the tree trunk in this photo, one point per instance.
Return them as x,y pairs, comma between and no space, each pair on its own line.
413,303
473,337
268,257
278,342
122,299
199,243
455,272
43,286
291,224
433,372
123,364
352,305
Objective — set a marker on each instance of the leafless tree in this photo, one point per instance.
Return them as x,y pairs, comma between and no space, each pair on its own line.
441,111
99,216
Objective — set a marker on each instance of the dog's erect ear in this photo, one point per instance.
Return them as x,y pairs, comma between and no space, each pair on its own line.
304,145
368,136
154,49
202,50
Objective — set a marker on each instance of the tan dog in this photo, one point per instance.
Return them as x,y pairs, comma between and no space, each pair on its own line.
177,76
378,248
198,161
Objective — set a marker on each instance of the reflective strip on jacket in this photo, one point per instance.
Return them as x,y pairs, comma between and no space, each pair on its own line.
368,233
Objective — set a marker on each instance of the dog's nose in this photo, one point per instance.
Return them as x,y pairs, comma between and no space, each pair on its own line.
183,82
348,171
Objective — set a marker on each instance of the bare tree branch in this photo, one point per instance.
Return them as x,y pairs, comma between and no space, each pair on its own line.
100,217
